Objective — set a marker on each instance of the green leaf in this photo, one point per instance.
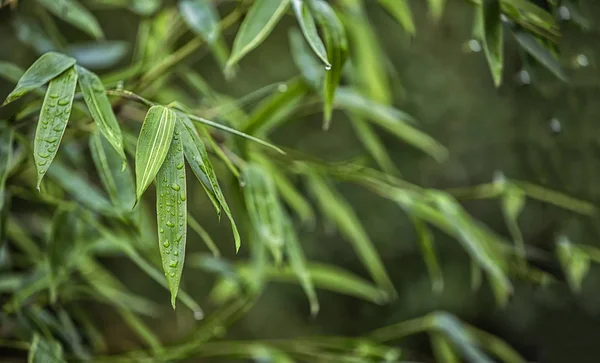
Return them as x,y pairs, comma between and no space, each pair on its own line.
171,206
197,158
10,71
443,351
393,120
100,107
256,27
428,251
98,55
534,46
153,145
493,38
6,157
75,14
454,331
202,17
574,261
45,351
401,11
309,29
311,69
494,345
117,182
436,7
196,227
42,71
63,237
368,137
556,198
142,330
338,210
337,50
513,201
54,116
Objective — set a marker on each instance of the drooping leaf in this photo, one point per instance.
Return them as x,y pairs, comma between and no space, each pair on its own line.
99,106
311,69
75,14
10,71
202,17
337,51
197,157
256,27
171,206
54,116
309,29
533,46
574,261
61,245
45,351
454,331
42,71
401,11
6,155
513,201
117,182
98,55
492,37
428,251
152,146
29,31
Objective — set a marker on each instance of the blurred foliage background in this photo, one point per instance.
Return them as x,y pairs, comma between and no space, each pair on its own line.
534,128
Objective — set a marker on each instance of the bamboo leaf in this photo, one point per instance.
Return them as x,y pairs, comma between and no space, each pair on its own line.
100,107
152,146
54,116
533,46
337,51
202,17
171,206
64,235
401,11
428,251
256,27
574,261
311,69
98,55
493,38
45,351
513,201
309,29
197,158
42,71
11,71
436,7
443,351
6,157
494,345
117,182
453,330
373,144
75,14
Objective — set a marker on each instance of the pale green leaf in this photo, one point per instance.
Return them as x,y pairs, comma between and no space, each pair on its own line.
256,27
494,345
45,351
436,8
453,329
202,17
442,350
98,55
371,141
6,157
140,328
401,11
75,14
513,201
309,29
152,145
100,107
29,31
171,207
493,38
42,71
574,261
54,116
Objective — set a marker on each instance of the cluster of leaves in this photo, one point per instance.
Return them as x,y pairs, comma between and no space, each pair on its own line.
53,248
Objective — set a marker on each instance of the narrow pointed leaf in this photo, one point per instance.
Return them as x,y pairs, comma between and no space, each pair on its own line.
197,158
45,351
454,331
513,201
371,141
311,69
98,55
443,351
256,27
6,155
436,8
533,46
494,345
309,29
429,255
54,116
64,236
196,227
401,11
493,38
152,146
75,14
171,206
337,51
574,261
42,71
100,107
117,182
202,18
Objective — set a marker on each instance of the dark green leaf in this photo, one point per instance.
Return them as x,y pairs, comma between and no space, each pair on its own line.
6,157
256,27
64,236
152,146
54,116
311,69
98,55
541,53
443,351
309,28
401,11
42,71
171,207
428,251
202,17
374,145
45,351
75,14
196,227
493,37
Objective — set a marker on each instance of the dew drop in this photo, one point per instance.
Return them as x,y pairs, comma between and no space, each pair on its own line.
58,128
182,197
564,13
162,230
42,163
198,315
524,77
52,149
52,140
176,253
179,238
328,67
555,125
43,154
170,224
175,187
45,121
180,166
474,45
63,102
53,95
282,87
42,171
172,274
166,244
582,60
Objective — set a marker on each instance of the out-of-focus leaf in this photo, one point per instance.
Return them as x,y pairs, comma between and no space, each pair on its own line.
6,155
393,120
10,71
54,116
574,261
513,201
454,331
196,227
145,7
558,199
29,31
428,251
443,351
256,27
202,17
264,208
64,236
494,345
117,182
98,55
337,51
75,14
311,69
141,329
99,106
373,144
171,206
338,210
436,7
492,37
45,351
152,146
309,29
533,46
401,11
197,157
42,71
